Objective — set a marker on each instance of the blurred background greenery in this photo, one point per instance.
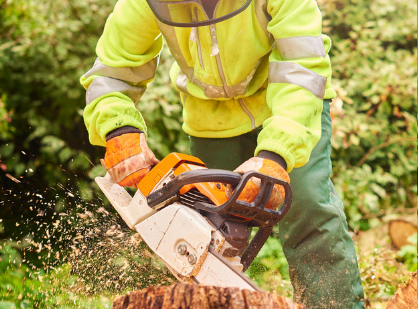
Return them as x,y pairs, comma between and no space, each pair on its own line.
48,197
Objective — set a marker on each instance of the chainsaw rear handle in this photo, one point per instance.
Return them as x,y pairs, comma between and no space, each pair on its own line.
256,211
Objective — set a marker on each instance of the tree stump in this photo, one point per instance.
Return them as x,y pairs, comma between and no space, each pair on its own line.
399,231
406,296
201,297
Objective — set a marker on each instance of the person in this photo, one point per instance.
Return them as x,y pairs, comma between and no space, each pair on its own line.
254,77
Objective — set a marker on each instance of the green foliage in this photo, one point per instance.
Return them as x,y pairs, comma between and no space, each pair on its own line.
374,68
381,273
102,260
45,157
60,290
5,119
45,46
20,287
270,269
408,253
18,284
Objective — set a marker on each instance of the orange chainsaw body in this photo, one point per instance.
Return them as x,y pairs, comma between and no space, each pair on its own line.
180,163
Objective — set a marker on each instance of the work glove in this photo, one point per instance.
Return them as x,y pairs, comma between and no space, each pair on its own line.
128,158
250,191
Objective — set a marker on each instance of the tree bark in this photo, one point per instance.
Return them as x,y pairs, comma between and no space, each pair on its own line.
201,297
406,296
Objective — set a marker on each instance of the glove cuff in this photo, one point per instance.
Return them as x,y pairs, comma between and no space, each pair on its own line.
273,157
121,131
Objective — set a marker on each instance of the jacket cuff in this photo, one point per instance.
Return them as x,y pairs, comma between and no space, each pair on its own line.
121,131
278,148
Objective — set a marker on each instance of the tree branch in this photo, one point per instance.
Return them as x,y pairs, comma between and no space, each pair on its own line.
383,145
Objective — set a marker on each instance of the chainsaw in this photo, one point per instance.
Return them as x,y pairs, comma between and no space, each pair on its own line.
181,212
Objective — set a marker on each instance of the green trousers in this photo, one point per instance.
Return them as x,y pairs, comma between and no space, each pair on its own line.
314,233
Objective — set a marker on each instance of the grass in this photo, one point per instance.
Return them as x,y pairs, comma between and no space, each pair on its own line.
105,260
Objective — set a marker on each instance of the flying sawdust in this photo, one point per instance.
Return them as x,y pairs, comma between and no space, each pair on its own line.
104,254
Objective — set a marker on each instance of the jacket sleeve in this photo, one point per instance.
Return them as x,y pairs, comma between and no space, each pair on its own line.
128,54
299,81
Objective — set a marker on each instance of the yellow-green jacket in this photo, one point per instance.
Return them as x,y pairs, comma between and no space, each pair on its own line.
267,66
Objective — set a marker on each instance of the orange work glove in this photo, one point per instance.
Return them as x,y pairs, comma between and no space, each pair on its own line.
128,158
250,191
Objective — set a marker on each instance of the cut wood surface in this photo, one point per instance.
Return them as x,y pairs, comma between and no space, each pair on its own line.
406,296
399,231
201,297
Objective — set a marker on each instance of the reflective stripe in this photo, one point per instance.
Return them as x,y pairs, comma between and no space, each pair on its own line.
104,85
301,47
181,82
126,167
129,74
293,73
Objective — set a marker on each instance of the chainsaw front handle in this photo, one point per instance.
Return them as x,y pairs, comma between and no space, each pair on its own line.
256,211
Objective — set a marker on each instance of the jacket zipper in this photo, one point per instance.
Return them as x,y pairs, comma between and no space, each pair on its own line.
215,52
195,35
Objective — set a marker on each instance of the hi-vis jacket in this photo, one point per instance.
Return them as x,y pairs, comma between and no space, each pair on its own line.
268,65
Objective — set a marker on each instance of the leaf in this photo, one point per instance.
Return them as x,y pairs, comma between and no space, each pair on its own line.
6,45
171,124
65,154
378,190
52,144
79,162
85,191
19,169
7,305
6,150
97,171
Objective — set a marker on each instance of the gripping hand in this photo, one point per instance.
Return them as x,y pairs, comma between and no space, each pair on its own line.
128,158
250,190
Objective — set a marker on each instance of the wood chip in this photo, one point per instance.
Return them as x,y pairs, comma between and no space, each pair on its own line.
12,178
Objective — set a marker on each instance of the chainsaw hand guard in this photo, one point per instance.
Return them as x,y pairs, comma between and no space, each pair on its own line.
256,211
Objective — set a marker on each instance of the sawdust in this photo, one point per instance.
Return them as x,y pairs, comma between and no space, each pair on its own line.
104,254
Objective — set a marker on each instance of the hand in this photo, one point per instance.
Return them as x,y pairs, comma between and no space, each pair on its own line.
250,190
128,158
